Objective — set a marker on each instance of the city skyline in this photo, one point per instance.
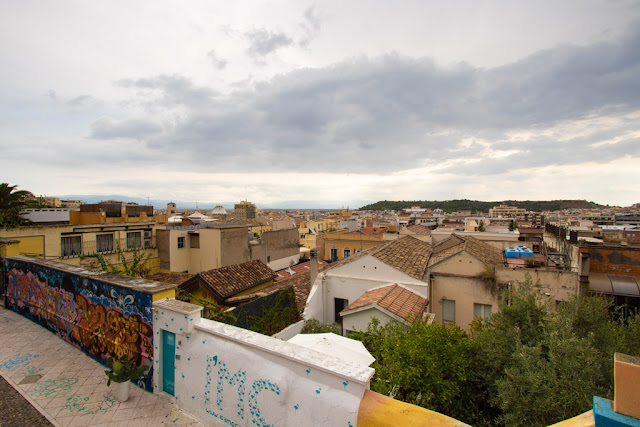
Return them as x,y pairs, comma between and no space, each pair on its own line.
323,102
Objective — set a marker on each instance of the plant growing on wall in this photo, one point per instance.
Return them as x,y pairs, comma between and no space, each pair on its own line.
488,279
313,326
134,268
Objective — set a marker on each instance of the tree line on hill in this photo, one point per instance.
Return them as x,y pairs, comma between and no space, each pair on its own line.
480,206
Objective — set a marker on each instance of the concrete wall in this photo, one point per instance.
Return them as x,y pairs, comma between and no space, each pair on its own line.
227,375
561,285
234,246
281,247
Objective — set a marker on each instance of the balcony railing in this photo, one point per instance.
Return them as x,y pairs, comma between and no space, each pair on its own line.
76,249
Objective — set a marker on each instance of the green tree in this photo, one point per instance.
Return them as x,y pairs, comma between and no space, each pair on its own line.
11,202
481,226
536,368
513,225
426,365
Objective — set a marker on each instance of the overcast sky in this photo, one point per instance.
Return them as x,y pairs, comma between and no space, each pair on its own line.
330,102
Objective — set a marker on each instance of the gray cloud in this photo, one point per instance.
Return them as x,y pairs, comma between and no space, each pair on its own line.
310,25
263,42
108,128
217,62
391,113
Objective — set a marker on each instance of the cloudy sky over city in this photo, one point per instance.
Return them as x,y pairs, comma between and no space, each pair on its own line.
328,103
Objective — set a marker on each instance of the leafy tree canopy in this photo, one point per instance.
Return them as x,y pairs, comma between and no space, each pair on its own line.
11,202
524,366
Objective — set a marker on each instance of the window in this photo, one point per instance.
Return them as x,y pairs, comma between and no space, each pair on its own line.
347,253
104,242
134,240
71,246
334,254
194,241
448,310
481,310
180,242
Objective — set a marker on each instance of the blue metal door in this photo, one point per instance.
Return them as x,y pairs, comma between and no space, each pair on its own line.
168,356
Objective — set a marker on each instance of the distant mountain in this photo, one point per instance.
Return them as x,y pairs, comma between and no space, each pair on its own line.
479,206
157,204
162,204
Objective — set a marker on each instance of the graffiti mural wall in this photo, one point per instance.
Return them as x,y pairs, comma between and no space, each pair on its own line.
101,319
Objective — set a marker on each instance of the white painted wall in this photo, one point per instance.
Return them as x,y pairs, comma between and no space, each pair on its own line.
285,262
227,375
350,281
359,321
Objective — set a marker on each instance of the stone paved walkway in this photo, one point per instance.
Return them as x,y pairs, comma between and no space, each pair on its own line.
68,387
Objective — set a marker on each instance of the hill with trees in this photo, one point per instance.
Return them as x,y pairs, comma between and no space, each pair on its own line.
480,206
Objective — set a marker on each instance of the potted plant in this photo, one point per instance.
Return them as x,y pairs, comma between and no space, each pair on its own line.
123,369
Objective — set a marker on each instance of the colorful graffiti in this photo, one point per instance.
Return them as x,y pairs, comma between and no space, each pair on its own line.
17,361
101,319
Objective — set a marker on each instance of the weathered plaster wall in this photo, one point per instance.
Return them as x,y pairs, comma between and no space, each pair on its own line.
465,292
461,263
559,284
100,318
615,261
227,375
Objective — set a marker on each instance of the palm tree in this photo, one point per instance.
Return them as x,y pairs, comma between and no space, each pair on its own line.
11,202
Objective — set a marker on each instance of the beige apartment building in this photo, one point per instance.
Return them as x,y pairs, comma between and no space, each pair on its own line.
506,211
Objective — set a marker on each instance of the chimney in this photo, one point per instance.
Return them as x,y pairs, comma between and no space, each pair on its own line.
314,265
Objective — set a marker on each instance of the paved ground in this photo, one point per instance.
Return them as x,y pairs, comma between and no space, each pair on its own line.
65,386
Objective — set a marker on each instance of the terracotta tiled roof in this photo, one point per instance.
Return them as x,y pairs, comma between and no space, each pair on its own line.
408,255
297,269
419,229
398,300
172,278
233,279
301,286
477,248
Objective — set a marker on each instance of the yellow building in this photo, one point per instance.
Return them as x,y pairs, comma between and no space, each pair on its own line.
342,244
69,243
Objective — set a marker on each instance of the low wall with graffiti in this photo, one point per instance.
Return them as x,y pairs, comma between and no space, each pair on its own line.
228,375
91,311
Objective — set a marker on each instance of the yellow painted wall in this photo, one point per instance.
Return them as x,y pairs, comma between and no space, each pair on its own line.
169,293
377,410
254,289
30,246
354,242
